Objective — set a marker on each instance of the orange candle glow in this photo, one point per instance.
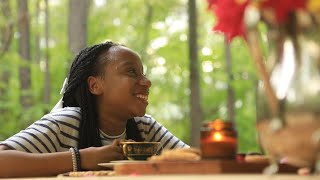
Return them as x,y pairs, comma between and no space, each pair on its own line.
218,140
217,136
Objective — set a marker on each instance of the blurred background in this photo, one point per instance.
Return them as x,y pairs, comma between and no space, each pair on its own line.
196,76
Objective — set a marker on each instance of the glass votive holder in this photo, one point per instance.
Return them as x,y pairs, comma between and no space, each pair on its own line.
218,140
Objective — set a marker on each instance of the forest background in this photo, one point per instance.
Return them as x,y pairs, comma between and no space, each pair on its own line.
197,75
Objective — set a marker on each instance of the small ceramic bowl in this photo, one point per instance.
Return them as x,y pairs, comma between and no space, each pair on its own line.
139,150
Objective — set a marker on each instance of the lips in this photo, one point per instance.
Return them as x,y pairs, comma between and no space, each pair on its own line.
142,95
143,98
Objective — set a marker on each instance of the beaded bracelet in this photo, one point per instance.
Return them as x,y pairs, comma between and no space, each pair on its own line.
76,159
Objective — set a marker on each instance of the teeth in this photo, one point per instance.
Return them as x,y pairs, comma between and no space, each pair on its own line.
142,97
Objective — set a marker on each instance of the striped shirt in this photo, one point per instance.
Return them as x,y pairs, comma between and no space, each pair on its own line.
59,130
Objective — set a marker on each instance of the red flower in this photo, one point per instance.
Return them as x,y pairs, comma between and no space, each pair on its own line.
282,8
229,15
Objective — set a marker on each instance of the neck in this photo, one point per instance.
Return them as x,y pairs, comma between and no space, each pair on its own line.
112,127
110,123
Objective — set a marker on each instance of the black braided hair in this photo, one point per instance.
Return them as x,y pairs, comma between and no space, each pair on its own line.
87,63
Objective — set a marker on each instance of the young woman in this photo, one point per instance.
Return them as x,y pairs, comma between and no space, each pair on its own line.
104,101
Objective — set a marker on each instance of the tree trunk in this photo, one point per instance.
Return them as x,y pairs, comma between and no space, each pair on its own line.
7,30
78,10
47,70
195,111
147,27
24,51
37,54
228,58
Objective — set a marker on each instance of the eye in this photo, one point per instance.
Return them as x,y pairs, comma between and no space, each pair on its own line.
132,72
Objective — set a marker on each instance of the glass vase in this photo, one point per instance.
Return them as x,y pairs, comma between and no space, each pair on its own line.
292,132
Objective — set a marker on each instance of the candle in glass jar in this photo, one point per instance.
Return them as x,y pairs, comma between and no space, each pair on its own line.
218,140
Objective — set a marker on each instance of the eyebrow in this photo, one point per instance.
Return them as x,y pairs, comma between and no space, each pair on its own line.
126,63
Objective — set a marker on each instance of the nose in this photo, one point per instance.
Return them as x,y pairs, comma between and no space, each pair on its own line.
144,81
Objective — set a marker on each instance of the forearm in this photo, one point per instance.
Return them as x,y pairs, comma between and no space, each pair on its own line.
21,164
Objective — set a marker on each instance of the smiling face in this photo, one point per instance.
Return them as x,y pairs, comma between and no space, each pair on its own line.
123,89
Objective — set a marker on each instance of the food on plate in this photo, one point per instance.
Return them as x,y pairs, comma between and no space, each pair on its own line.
257,159
186,154
91,173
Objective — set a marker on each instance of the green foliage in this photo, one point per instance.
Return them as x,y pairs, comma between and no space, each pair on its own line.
161,39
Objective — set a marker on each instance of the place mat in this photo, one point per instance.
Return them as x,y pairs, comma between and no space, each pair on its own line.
87,174
112,163
197,167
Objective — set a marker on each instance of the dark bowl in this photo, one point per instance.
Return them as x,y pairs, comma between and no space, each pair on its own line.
139,150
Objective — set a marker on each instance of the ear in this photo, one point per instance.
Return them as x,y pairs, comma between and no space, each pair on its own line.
95,85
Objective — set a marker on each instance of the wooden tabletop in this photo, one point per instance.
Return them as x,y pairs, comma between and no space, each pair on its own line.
198,167
202,170
189,177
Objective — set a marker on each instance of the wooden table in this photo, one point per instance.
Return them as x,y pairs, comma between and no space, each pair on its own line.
201,170
188,177
198,167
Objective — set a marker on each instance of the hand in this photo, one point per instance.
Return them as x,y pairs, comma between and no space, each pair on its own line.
127,140
304,171
301,170
91,157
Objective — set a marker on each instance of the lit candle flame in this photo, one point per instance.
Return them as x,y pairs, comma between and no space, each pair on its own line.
217,136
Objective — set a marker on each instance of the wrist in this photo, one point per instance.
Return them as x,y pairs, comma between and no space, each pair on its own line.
76,159
85,158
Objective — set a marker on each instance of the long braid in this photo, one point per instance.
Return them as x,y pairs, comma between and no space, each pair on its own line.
77,94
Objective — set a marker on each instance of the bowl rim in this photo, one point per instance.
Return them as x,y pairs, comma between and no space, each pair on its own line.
158,143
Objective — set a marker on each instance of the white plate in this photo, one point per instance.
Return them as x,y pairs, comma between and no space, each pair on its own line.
126,161
112,163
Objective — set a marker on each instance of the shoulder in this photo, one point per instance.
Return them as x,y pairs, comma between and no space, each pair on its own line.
67,112
70,115
146,119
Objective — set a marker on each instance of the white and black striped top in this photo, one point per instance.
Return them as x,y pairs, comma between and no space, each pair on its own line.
59,130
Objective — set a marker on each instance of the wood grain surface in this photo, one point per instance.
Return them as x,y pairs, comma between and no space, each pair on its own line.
197,167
